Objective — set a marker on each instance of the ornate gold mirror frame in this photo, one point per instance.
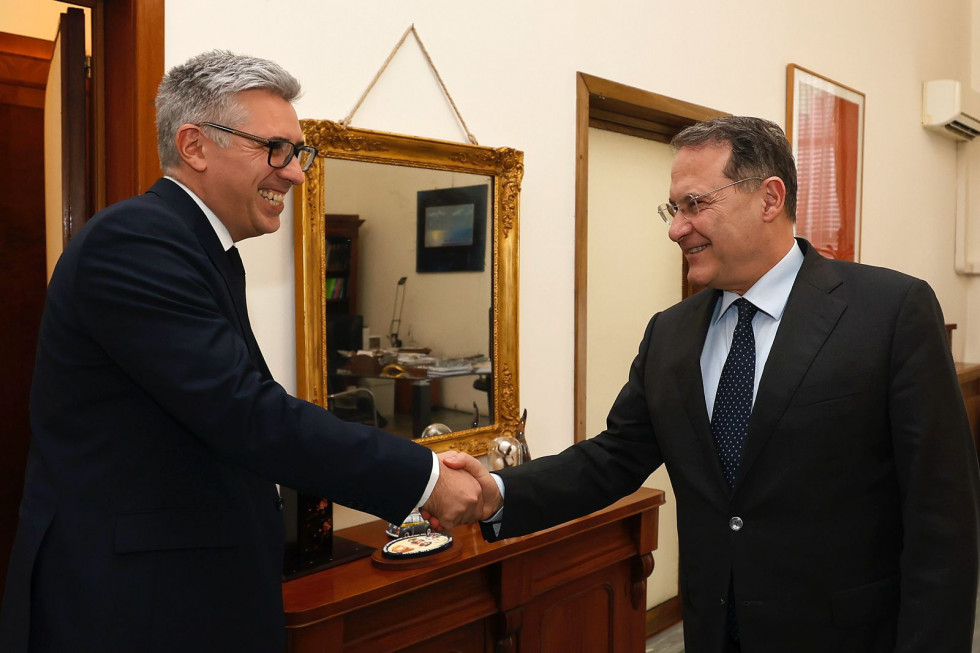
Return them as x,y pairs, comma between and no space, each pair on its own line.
504,165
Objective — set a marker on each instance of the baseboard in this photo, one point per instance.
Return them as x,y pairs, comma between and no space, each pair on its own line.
663,616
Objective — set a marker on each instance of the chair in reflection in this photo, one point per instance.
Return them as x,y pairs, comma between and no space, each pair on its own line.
354,405
351,404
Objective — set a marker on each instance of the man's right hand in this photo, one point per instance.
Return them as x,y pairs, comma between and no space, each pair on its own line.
455,463
457,497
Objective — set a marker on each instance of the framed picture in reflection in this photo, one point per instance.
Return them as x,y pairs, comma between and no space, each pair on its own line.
452,229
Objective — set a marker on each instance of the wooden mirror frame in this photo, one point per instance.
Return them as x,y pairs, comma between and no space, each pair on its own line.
505,165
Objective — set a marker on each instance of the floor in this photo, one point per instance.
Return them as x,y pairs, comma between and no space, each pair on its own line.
669,641
672,639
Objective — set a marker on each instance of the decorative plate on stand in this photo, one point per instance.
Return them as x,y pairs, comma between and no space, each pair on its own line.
415,551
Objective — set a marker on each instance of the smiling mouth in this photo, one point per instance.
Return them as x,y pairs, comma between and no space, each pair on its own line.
272,197
695,250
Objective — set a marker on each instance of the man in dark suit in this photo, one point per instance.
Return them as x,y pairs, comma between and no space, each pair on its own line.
841,514
151,519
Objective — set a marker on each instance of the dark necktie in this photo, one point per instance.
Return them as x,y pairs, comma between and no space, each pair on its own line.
733,401
238,288
730,416
238,280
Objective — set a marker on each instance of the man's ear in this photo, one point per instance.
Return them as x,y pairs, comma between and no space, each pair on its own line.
191,147
773,198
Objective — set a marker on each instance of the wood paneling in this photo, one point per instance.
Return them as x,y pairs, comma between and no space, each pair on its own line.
128,43
132,34
22,291
512,595
969,378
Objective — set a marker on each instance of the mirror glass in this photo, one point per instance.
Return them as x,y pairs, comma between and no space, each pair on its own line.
440,317
406,264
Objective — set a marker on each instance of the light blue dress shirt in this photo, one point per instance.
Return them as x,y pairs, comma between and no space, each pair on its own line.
769,294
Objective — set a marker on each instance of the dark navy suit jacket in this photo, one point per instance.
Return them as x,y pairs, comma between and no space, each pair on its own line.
150,518
858,488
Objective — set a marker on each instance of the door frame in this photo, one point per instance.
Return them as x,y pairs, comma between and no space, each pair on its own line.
127,66
604,104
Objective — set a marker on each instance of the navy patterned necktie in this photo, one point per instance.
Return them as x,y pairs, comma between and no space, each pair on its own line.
733,401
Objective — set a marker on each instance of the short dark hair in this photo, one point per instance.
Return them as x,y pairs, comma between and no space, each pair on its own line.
759,149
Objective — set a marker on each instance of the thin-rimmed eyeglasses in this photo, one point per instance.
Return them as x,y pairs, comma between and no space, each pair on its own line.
688,206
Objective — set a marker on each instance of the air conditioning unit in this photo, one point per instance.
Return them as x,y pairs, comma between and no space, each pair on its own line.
949,110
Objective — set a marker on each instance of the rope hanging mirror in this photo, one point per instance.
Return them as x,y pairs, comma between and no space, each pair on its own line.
345,122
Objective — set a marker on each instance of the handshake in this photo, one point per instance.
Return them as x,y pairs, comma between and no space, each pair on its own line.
464,493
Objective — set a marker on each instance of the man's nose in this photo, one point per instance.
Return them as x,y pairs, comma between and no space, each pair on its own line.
680,226
293,172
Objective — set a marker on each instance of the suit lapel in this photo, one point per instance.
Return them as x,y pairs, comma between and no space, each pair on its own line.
198,222
809,318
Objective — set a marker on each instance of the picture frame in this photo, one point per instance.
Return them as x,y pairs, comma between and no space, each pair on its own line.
452,229
825,125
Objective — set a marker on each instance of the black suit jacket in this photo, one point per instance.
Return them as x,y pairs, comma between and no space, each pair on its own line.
858,486
150,517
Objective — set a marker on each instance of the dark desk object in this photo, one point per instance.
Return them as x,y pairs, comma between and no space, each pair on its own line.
523,594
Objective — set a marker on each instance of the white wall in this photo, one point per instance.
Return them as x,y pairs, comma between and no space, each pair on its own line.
511,65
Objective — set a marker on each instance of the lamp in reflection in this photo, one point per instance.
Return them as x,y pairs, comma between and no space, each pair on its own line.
396,313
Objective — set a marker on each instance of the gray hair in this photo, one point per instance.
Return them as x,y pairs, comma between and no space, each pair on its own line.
759,149
203,90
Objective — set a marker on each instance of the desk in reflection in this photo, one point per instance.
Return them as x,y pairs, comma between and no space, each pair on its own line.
418,396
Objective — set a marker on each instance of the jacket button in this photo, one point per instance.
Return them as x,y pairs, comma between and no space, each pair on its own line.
735,523
722,600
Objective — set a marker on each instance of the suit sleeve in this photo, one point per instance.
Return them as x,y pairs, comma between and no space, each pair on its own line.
938,476
153,301
589,475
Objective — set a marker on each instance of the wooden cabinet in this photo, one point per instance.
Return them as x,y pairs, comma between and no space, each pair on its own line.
579,586
969,378
340,280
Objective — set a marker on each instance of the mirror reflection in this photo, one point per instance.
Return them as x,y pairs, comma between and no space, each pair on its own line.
408,283
421,296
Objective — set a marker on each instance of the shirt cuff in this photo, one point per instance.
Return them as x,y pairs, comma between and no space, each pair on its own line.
497,517
433,479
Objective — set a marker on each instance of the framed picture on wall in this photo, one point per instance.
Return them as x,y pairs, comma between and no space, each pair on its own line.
825,124
452,229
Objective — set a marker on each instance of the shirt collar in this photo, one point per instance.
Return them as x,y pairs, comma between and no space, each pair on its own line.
219,228
770,293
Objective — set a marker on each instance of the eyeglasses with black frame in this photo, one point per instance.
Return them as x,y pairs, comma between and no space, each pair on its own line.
281,151
688,206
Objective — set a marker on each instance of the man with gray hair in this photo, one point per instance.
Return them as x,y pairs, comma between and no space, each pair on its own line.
151,519
808,413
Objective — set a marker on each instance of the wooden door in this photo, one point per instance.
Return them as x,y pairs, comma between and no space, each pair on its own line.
66,137
24,66
128,53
